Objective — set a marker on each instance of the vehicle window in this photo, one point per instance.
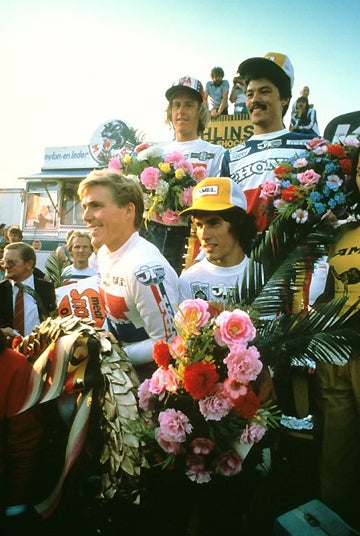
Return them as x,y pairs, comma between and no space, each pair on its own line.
41,206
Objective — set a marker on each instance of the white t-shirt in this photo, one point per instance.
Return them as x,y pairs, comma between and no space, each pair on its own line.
73,274
199,152
211,282
140,291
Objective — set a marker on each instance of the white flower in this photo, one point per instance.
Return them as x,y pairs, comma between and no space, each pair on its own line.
151,152
281,204
162,187
300,215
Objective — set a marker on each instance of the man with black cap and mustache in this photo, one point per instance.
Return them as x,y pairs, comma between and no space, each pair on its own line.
269,81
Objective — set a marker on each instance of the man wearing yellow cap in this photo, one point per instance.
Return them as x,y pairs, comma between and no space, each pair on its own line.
269,81
225,232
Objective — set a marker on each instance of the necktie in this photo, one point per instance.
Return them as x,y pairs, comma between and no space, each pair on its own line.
19,310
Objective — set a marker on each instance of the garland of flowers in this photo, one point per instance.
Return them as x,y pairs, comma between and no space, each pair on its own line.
167,181
205,415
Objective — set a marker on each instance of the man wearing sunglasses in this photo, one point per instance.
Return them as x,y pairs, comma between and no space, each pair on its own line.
39,299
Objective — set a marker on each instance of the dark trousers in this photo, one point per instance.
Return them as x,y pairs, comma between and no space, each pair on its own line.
171,241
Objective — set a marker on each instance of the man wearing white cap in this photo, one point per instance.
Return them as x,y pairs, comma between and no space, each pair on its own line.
269,81
225,232
188,116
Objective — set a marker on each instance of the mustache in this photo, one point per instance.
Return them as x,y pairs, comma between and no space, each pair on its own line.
257,105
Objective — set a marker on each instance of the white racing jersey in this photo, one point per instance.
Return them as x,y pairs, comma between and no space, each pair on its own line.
139,289
253,162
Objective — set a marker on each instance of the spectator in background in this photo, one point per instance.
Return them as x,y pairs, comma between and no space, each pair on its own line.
20,438
80,249
14,234
304,92
39,295
238,95
63,249
217,93
304,119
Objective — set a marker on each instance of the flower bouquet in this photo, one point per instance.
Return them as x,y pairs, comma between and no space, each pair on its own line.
167,181
312,183
200,410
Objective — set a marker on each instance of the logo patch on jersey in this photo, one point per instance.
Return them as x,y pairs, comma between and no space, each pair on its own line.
269,144
199,290
153,275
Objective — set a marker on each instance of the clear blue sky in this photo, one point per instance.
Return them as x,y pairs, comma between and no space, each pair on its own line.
70,65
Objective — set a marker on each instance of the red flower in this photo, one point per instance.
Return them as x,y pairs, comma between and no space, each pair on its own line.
346,165
161,354
282,170
336,150
292,193
200,379
246,406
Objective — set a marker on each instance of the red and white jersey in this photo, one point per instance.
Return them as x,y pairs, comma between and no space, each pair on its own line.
253,162
139,290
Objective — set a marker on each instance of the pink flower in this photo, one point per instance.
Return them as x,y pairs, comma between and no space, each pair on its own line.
300,162
229,464
233,327
177,347
202,445
185,165
186,196
192,315
170,217
308,178
174,425
150,177
145,396
115,163
234,389
243,363
163,380
141,147
172,447
199,172
197,469
269,189
253,433
174,157
215,407
316,142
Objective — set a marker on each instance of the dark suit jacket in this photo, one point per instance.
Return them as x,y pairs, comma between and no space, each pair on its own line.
45,291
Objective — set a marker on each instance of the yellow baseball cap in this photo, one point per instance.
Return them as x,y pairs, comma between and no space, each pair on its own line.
273,64
217,193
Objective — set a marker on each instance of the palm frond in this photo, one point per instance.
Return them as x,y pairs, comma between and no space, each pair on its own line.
273,286
326,335
54,265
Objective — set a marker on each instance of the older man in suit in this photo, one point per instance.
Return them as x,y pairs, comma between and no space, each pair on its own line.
39,300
